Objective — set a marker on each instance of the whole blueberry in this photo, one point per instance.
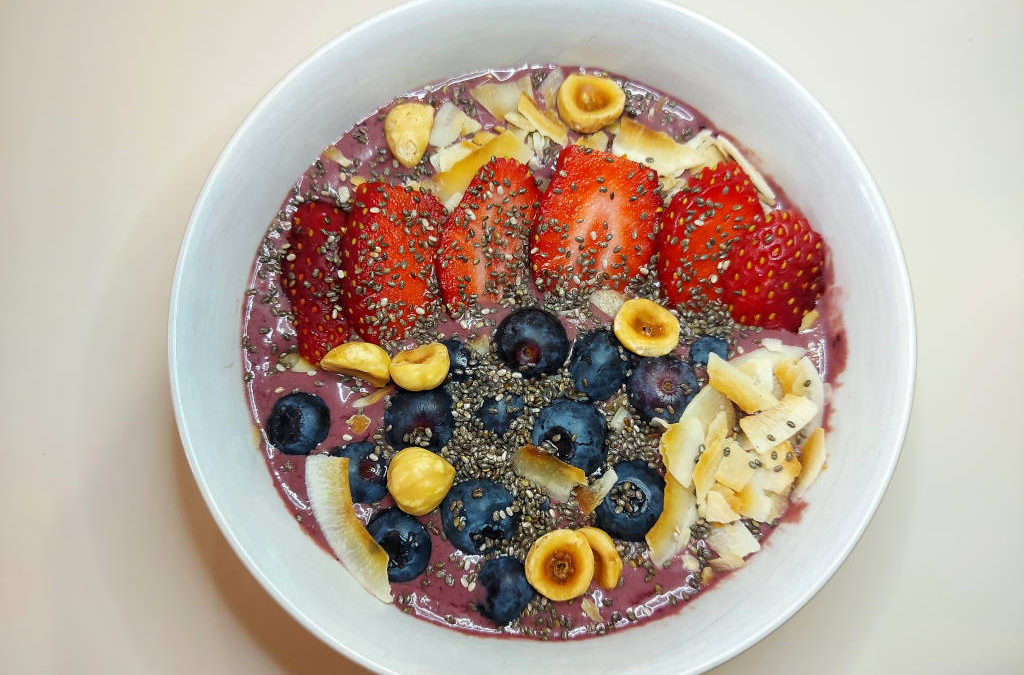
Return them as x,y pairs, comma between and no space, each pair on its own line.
405,540
576,431
468,515
298,423
661,387
597,364
419,418
634,503
367,471
532,342
497,415
703,346
460,359
508,591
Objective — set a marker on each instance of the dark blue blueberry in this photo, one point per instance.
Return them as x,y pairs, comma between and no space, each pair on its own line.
532,341
508,591
415,414
298,423
575,430
460,360
497,416
661,387
367,477
467,515
703,346
406,541
597,364
641,511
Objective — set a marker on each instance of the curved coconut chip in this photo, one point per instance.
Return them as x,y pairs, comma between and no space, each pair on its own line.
679,447
812,455
547,471
671,533
501,98
590,496
801,378
331,502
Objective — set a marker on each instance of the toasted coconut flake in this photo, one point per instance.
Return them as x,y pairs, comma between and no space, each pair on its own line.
590,496
333,153
546,122
373,397
501,98
618,421
458,177
548,89
608,301
752,501
717,509
706,469
655,149
614,128
482,138
738,386
331,502
732,539
450,124
680,446
517,119
445,158
735,470
760,371
812,456
726,563
595,141
547,471
671,533
706,405
704,144
756,179
801,378
717,430
780,472
778,423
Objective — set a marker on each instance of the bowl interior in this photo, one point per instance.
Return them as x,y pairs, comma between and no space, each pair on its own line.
748,97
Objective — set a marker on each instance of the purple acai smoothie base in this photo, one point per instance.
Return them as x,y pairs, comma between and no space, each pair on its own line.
450,596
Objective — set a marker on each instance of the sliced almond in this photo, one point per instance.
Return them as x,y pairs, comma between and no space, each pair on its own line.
812,457
778,423
756,179
737,386
547,471
671,533
590,496
450,124
331,503
680,446
732,539
501,98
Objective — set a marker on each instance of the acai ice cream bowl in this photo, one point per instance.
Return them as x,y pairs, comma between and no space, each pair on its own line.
747,95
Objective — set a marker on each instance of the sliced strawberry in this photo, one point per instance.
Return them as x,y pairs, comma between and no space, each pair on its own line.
483,242
310,279
597,222
388,260
776,272
697,228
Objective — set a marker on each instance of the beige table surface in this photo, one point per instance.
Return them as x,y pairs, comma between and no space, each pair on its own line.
114,112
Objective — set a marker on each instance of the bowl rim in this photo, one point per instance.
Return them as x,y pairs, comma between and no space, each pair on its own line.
909,348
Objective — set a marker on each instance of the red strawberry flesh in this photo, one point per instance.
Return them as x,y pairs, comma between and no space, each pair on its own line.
775,273
482,252
387,258
597,223
697,227
309,277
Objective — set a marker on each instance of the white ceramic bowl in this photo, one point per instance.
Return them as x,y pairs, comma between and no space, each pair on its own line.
746,95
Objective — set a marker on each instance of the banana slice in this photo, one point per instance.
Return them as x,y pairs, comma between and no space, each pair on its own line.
608,562
364,360
420,368
646,328
407,131
546,470
588,102
331,502
560,565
